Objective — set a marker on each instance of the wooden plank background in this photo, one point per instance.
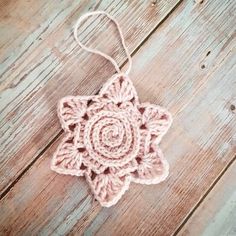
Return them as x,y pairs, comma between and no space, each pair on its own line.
183,58
217,214
47,64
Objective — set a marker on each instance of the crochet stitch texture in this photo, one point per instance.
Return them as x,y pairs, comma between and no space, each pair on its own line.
112,139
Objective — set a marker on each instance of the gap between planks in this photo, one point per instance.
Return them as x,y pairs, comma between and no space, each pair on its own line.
25,170
223,168
201,200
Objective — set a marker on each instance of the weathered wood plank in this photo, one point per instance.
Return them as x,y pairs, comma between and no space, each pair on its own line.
24,24
202,140
55,67
167,70
217,214
51,203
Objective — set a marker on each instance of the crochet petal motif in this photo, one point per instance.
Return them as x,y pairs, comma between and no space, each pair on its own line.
119,90
152,169
156,120
67,159
112,139
108,188
70,111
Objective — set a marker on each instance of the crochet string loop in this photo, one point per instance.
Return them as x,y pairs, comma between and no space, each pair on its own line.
95,51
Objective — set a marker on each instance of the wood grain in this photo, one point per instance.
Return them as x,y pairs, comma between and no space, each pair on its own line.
37,73
25,24
202,140
45,203
168,70
217,214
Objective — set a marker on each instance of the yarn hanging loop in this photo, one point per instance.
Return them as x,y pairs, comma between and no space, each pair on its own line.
95,51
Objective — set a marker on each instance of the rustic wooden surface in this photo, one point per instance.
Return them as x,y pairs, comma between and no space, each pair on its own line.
45,64
217,214
183,58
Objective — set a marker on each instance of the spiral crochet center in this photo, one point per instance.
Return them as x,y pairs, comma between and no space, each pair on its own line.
112,138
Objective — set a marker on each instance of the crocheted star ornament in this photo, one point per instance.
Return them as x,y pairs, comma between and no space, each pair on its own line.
112,140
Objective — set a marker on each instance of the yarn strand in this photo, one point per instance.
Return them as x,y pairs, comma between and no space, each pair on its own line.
95,51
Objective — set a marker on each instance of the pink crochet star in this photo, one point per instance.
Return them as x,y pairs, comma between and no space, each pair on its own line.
112,139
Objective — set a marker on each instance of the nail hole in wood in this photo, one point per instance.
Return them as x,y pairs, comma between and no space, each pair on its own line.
203,66
199,1
154,2
232,107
